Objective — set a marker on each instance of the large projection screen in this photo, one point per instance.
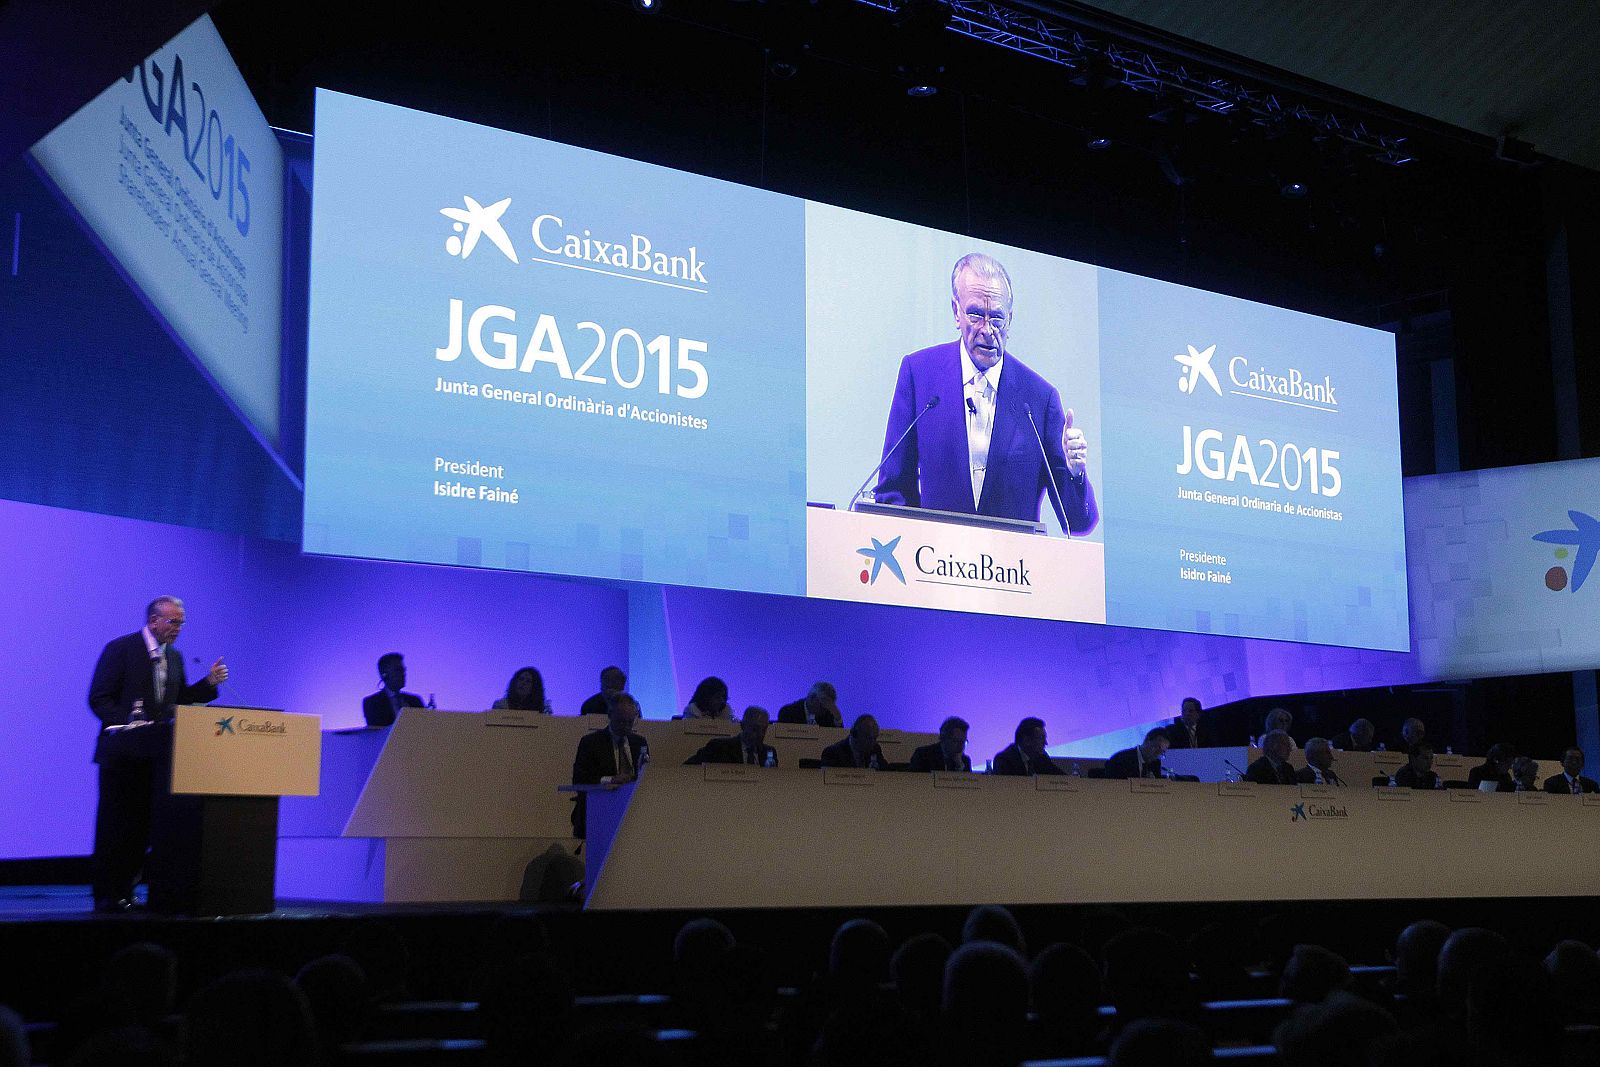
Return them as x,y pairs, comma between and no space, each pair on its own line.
530,356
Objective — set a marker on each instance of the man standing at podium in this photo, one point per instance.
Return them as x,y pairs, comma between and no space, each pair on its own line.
985,422
138,681
613,755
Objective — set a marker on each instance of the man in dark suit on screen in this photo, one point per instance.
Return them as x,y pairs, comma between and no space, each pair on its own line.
383,707
1141,761
1026,755
974,448
748,746
138,681
611,756
949,753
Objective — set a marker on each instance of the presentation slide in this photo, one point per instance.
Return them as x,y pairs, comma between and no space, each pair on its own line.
530,356
176,173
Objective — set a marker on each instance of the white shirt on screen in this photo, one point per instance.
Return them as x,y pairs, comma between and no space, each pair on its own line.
979,390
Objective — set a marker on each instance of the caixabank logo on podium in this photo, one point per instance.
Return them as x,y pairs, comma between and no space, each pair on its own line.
237,726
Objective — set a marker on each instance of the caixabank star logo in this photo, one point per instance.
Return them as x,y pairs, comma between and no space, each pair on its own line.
882,557
1575,552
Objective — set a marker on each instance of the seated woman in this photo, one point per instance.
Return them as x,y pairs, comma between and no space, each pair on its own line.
525,692
710,701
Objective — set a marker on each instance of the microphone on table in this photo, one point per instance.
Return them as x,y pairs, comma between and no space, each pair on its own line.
1056,498
933,402
1234,769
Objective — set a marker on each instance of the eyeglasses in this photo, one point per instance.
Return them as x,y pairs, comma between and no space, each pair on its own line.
996,319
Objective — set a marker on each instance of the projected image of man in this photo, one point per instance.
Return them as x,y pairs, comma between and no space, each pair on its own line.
987,421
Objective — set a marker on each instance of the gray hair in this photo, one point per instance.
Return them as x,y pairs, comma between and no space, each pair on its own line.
150,609
983,266
1273,737
1319,744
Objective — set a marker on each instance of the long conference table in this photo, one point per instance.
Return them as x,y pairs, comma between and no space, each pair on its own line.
452,806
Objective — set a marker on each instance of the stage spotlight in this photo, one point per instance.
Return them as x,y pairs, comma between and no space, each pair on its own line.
1294,191
648,7
1098,144
921,80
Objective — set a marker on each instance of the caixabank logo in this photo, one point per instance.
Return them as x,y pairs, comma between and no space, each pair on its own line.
1304,812
235,726
633,255
932,565
1575,552
1254,380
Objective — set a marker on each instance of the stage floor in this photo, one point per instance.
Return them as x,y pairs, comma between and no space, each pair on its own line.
66,903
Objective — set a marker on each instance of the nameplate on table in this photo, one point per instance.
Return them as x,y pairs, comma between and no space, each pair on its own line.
730,772
957,780
1466,796
1394,792
1536,799
849,776
512,717
1591,800
1391,761
1158,786
1056,783
1318,792
1236,789
893,737
714,727
794,731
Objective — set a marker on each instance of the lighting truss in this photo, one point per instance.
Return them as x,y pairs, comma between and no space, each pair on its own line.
1054,42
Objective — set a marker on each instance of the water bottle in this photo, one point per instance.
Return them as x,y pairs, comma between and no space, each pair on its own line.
644,755
431,704
137,713
1392,783
1449,750
771,760
1076,771
1381,747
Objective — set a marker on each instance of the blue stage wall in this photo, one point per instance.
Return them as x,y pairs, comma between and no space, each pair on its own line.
303,633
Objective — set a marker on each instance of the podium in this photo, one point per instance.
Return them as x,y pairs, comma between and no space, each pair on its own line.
214,829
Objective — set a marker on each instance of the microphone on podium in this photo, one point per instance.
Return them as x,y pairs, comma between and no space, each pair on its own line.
933,402
1055,497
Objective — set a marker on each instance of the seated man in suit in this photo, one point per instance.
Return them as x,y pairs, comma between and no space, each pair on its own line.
1278,719
1026,756
1524,776
1495,768
1141,761
1412,733
1319,764
613,680
819,707
1273,767
859,749
949,753
1571,779
1188,730
1361,737
383,707
1418,773
1001,439
614,755
748,746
